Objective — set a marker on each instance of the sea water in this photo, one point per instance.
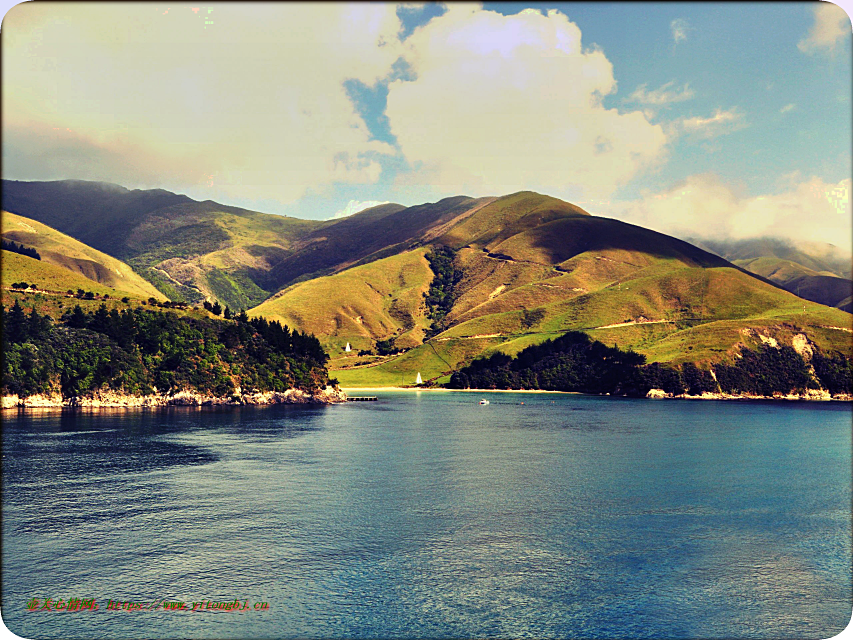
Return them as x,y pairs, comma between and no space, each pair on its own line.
427,515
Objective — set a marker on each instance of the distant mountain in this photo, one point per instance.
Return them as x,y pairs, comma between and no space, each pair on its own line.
65,254
815,271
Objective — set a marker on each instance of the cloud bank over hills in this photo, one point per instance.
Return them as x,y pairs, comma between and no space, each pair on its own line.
704,206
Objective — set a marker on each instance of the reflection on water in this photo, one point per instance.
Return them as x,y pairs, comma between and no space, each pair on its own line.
428,515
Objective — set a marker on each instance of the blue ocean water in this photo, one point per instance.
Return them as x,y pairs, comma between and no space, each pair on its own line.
426,515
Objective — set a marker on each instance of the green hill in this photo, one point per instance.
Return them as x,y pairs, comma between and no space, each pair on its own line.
189,250
53,278
361,305
516,270
65,252
815,257
533,268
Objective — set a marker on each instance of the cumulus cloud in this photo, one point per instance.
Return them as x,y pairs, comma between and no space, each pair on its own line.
663,95
246,99
830,26
679,28
788,107
704,206
502,103
721,123
354,206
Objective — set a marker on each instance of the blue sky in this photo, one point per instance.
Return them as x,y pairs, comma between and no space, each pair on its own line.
695,118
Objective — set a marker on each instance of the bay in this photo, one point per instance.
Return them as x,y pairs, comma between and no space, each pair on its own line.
427,515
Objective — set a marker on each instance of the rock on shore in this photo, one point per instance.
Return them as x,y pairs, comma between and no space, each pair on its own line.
810,394
329,395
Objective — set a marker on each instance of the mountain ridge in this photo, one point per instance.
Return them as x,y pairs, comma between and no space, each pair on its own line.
528,266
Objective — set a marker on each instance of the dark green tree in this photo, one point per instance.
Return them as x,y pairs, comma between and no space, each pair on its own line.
16,324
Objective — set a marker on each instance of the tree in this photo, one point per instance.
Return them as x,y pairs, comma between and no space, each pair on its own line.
78,319
37,325
227,313
16,324
216,309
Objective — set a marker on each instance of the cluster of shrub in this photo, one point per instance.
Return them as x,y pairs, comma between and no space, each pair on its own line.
168,304
442,290
10,245
24,285
138,351
216,309
574,362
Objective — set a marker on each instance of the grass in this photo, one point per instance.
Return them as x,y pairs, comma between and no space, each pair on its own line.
377,301
707,309
47,276
505,217
65,252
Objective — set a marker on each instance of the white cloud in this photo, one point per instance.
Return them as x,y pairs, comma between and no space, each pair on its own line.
245,97
721,123
354,206
679,28
788,107
663,95
502,103
704,206
830,26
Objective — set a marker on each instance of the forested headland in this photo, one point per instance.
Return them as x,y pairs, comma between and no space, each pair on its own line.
140,352
575,362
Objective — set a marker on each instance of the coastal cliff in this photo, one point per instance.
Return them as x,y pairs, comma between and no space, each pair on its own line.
105,399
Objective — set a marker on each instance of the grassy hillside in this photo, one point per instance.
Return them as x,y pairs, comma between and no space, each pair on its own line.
814,271
367,236
622,284
189,250
377,301
53,278
60,250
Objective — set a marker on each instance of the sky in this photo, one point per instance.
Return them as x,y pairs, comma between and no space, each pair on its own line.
695,119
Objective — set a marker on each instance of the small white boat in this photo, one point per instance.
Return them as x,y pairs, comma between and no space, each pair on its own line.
484,401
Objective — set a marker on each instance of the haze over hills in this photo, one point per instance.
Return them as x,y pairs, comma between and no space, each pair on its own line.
519,269
814,271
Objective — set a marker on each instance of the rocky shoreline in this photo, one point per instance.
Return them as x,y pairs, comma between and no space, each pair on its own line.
110,399
810,394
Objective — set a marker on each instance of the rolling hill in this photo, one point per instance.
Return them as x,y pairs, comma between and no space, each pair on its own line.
189,250
68,254
52,278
